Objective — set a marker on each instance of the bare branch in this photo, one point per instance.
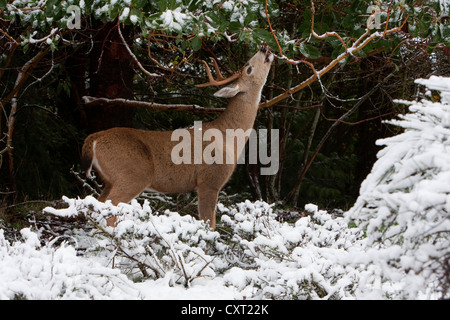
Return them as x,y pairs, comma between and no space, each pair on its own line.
293,194
93,101
271,29
13,97
148,74
327,34
359,44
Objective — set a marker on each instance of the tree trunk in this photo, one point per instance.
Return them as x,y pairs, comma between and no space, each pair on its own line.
111,76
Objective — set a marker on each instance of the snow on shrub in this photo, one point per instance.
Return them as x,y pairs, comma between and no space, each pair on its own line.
280,260
29,270
254,253
259,256
405,200
159,245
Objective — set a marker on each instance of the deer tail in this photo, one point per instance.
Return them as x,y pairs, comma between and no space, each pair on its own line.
87,156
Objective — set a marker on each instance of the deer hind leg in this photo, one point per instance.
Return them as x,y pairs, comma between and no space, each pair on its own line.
207,201
120,193
105,193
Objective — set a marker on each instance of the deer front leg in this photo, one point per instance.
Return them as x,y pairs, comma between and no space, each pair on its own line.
207,201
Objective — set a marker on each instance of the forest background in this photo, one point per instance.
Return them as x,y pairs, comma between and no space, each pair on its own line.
53,72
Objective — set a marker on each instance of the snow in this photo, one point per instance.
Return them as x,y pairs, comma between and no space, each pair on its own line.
134,18
125,14
437,83
228,5
392,244
34,272
185,259
404,201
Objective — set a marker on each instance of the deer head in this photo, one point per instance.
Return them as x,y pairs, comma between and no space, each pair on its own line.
250,78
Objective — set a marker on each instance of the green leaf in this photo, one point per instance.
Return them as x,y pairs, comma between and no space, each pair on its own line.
263,35
137,13
3,4
309,51
172,4
49,11
250,18
234,27
337,52
197,43
162,5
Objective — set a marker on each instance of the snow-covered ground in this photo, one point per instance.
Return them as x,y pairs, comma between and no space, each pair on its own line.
393,244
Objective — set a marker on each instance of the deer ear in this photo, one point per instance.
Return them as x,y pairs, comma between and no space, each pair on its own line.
228,92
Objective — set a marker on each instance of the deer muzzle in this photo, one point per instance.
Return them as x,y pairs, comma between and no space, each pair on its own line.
266,50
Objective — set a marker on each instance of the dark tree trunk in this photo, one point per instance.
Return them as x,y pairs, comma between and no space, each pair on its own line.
111,76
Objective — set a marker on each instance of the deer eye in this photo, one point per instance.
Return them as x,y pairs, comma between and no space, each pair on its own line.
249,70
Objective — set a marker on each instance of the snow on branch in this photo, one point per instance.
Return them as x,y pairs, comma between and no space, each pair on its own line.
94,101
405,200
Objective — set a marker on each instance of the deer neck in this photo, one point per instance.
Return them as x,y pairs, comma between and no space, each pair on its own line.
240,113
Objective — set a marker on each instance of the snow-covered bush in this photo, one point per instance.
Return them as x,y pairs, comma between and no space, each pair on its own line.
280,260
253,256
30,270
159,245
405,200
254,253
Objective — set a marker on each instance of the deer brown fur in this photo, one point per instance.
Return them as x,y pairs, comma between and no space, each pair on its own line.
130,161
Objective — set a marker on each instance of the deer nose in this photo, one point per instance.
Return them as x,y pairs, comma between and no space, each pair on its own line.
264,48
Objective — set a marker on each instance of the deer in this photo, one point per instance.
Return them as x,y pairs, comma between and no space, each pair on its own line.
131,161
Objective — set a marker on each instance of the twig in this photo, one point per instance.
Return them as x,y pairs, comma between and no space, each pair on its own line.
359,44
116,243
294,192
8,36
387,20
148,74
327,34
184,271
297,62
271,29
152,36
39,80
100,60
358,122
84,182
13,98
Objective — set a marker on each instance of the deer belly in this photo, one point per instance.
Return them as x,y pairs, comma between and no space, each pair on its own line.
172,184
175,188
